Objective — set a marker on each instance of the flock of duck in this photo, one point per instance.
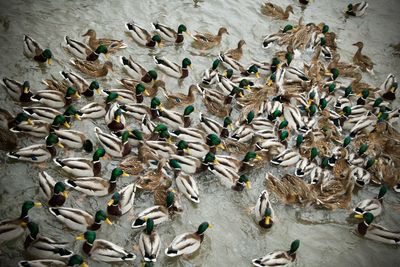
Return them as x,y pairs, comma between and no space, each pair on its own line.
329,134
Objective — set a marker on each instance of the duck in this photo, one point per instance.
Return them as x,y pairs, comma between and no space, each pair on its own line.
172,68
80,220
236,53
54,192
72,261
33,49
83,87
13,228
363,61
113,45
39,152
286,158
278,258
142,36
92,69
211,75
207,40
42,113
241,183
74,139
36,128
18,91
180,99
150,83
263,210
103,250
134,69
82,167
149,242
211,126
356,10
169,34
115,119
275,11
42,247
83,51
55,99
388,88
158,213
122,201
373,206
187,243
175,119
96,186
113,145
188,187
376,232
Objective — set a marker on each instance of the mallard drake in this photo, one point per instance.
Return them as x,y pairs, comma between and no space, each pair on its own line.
13,228
83,51
81,84
93,110
180,99
263,210
170,34
363,61
96,186
112,44
33,49
208,40
8,121
42,247
18,91
172,68
103,250
42,113
375,231
213,127
113,145
74,139
79,220
39,152
187,243
115,119
158,213
55,99
134,69
236,53
241,183
175,119
122,201
188,187
356,10
92,69
276,11
151,85
72,261
278,258
149,242
373,205
286,158
36,128
388,88
142,36
82,167
54,192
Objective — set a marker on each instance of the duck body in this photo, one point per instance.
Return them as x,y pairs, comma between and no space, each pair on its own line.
79,167
112,144
158,213
263,203
141,35
278,258
376,232
17,90
33,49
125,202
33,153
171,68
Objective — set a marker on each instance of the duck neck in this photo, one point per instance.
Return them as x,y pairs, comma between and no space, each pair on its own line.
224,132
87,247
185,72
40,58
92,56
28,240
113,185
179,38
139,98
362,228
186,121
52,151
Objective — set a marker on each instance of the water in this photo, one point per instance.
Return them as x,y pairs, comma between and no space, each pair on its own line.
326,237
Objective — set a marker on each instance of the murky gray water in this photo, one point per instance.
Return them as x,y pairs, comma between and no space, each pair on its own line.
235,238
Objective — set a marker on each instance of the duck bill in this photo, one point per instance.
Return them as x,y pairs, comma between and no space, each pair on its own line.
270,82
108,221
231,126
77,95
258,158
65,194
30,122
109,203
248,88
106,56
26,90
84,264
257,75
60,145
215,162
118,119
67,125
98,91
169,140
106,156
77,117
267,220
49,61
190,66
248,185
187,150
80,237
358,216
146,93
125,174
37,204
221,146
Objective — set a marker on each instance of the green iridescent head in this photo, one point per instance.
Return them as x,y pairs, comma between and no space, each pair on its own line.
332,87
149,226
175,164
59,187
116,173
216,64
33,229
313,109
100,152
325,28
203,227
169,201
335,73
209,158
182,28
323,103
287,28
244,83
365,93
314,153
47,54
229,73
227,122
75,260
322,41
70,91
116,197
363,148
275,61
188,110
152,74
377,102
160,128
137,134
370,163
21,117
155,102
125,136
250,117
213,140
289,57
51,140
249,156
90,236
100,216
139,89
346,141
101,49
299,140
253,69
27,206
283,124
182,145
294,246
347,111
94,85
186,63
368,217
156,38
111,97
